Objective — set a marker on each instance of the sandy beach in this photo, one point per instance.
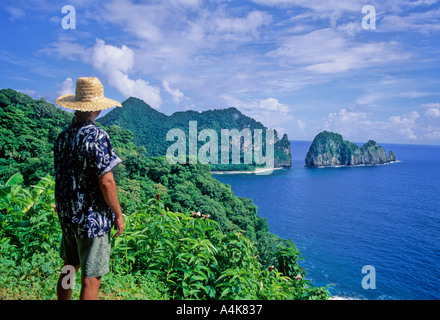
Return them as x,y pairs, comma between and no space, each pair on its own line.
256,171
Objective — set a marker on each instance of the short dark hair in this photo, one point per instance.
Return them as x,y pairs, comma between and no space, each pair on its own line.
82,116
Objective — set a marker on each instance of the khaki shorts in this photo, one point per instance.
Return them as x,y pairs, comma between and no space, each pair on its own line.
92,255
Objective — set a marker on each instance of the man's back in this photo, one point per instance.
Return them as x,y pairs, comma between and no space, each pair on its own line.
82,153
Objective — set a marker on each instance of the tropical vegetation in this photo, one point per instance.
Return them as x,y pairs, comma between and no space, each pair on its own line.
150,128
187,235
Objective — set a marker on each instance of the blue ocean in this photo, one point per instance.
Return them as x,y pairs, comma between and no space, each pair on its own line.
341,219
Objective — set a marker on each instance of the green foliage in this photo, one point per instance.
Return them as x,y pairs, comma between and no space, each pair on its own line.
161,255
143,120
165,252
30,236
330,145
187,187
28,129
331,148
29,233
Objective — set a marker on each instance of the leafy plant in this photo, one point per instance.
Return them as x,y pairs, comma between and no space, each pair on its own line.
161,254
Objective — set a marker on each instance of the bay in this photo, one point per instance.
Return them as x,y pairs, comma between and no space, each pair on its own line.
345,218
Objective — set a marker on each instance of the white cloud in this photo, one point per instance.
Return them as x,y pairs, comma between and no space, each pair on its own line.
309,52
404,125
414,94
114,64
108,57
370,98
433,113
16,13
274,3
359,126
301,125
431,105
67,48
316,5
419,21
271,112
271,104
188,3
241,26
67,87
328,51
139,19
344,122
30,92
432,109
175,93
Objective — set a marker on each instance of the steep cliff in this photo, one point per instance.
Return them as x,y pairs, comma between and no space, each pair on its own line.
283,153
330,149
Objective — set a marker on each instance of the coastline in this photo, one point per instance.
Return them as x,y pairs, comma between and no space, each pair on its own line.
356,165
256,171
340,298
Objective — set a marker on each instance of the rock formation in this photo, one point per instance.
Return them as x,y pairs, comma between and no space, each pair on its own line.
330,149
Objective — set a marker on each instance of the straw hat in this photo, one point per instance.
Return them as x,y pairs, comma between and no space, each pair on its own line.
89,96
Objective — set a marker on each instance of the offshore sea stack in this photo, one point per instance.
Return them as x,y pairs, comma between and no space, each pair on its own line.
329,149
283,152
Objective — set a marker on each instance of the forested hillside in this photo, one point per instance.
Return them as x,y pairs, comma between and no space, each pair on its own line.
157,232
28,129
150,129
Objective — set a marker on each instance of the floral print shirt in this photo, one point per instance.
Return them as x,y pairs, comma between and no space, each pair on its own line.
82,153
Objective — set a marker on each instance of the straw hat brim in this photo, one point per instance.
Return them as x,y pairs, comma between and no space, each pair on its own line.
69,101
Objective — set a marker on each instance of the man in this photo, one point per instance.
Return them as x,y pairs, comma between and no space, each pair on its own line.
86,197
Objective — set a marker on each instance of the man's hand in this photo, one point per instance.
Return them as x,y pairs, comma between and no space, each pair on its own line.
119,225
108,188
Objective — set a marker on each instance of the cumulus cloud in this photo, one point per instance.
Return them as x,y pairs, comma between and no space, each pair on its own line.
256,106
433,113
110,57
345,122
404,125
67,87
115,64
195,50
301,125
175,93
271,112
361,126
432,110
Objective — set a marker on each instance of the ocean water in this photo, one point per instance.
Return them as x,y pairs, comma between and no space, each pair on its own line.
342,219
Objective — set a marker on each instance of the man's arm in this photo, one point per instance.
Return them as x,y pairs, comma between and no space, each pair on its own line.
110,193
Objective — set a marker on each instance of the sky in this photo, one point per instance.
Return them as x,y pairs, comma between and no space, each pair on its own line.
366,69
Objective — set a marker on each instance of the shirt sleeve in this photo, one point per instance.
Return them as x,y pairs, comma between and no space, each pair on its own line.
103,157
